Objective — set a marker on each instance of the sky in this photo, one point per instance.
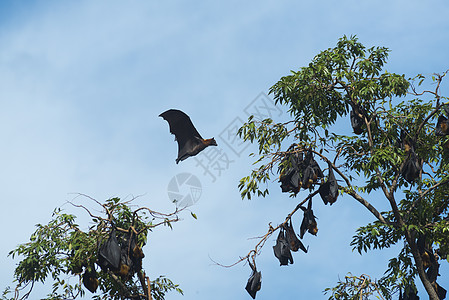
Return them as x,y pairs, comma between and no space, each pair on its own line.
82,84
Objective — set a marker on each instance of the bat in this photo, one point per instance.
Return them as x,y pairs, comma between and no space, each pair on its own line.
292,239
109,252
440,291
254,282
90,280
290,178
308,222
190,142
329,190
356,120
424,251
311,171
442,127
412,167
406,143
282,249
410,293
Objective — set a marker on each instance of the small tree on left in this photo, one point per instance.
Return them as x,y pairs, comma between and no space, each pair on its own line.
105,259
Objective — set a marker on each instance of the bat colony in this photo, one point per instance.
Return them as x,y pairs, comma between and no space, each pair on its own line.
121,255
298,169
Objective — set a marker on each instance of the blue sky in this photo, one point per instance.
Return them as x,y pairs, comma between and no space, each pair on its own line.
82,84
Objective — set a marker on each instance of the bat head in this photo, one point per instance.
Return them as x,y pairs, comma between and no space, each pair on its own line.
210,142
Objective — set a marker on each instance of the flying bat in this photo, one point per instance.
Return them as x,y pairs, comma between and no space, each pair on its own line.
190,142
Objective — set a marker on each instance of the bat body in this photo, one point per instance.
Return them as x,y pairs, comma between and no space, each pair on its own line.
296,171
290,178
308,222
410,293
356,122
90,280
190,142
329,190
293,241
282,249
109,252
442,127
254,282
412,167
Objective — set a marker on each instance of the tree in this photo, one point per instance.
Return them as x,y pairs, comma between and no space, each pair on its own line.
107,257
395,148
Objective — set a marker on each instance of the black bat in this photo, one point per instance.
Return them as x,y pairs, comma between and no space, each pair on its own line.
190,142
442,127
282,249
292,239
440,291
410,293
90,280
254,282
406,143
308,221
109,252
356,122
412,167
329,190
290,177
311,172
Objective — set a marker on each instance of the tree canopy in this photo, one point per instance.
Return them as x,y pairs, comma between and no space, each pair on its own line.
106,259
399,146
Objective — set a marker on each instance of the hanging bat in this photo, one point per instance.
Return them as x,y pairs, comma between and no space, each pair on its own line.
90,280
410,293
356,122
254,282
293,241
329,190
190,142
441,292
290,178
282,249
406,143
109,252
311,172
412,167
308,221
442,127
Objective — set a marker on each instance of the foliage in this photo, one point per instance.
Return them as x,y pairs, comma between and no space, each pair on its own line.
394,150
63,253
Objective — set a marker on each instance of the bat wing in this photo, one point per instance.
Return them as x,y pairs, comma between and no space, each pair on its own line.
329,190
292,239
109,252
282,250
356,123
182,127
254,283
